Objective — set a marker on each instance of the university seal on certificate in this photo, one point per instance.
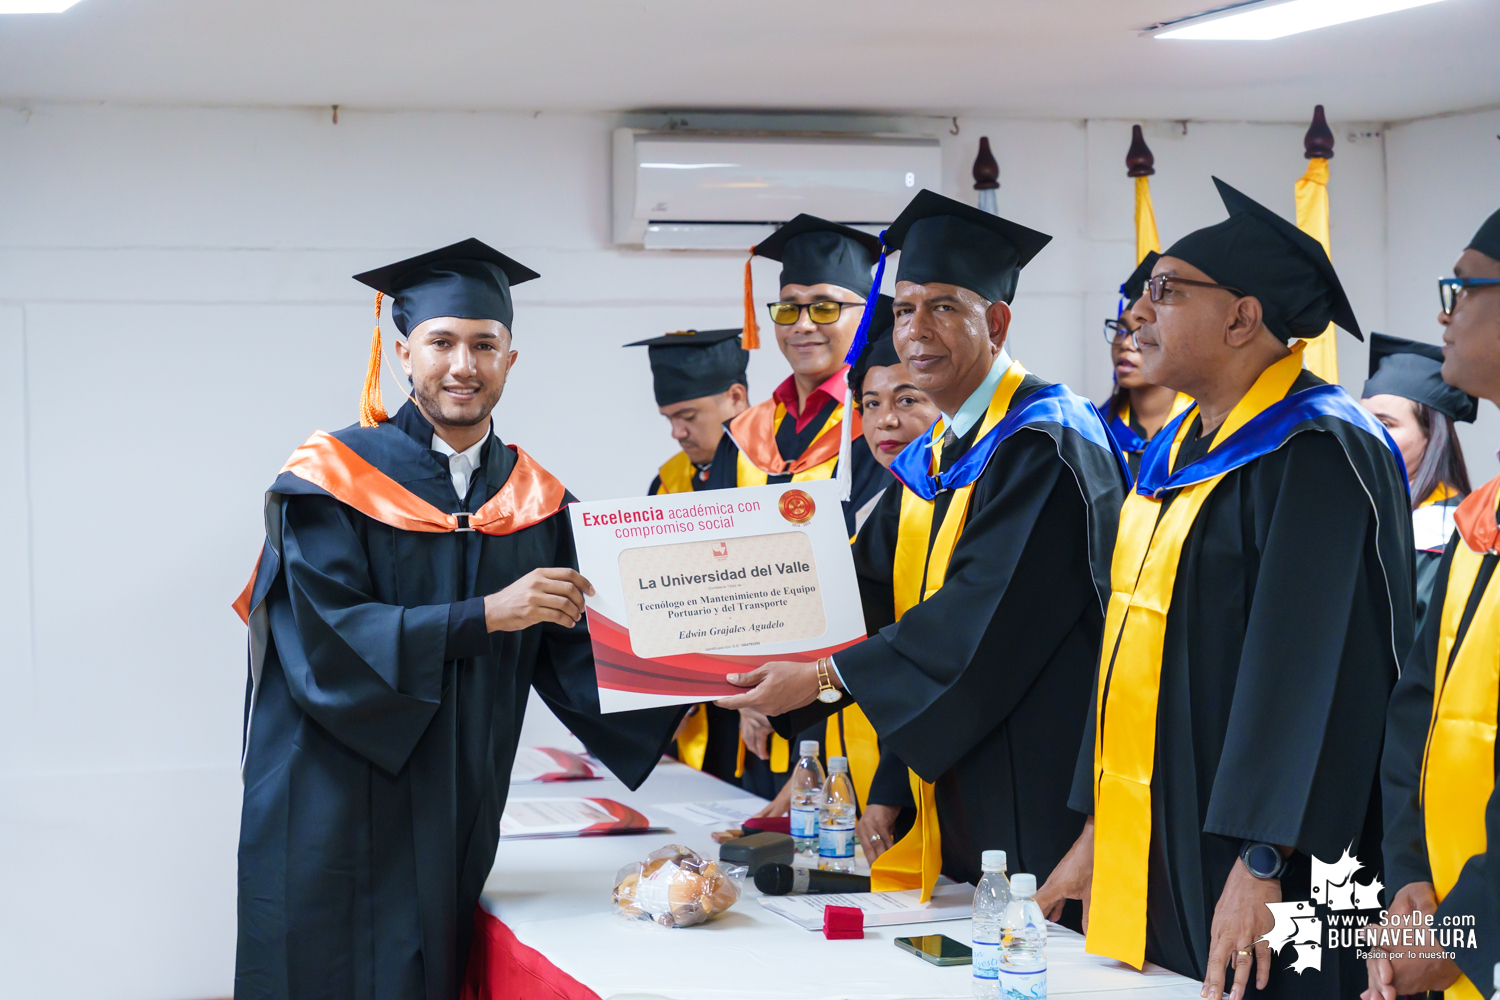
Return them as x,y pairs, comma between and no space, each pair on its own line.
690,587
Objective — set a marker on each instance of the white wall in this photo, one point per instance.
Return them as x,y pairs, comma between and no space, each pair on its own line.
1443,178
176,314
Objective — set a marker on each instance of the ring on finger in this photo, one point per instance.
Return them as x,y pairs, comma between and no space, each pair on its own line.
1243,952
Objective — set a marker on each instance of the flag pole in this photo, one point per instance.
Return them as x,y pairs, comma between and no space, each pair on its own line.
1321,357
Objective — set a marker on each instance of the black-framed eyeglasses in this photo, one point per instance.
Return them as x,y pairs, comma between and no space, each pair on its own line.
1449,290
1157,285
1115,331
786,313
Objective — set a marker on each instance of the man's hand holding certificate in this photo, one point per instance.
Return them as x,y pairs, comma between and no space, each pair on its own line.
691,587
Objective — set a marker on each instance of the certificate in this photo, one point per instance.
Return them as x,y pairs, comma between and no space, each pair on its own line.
692,586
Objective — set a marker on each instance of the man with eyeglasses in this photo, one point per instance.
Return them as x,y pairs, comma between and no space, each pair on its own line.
982,577
1262,594
1137,409
795,435
1438,771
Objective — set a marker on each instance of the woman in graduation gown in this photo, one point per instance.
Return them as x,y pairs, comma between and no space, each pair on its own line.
980,577
1442,816
1406,393
1136,410
1238,738
392,645
797,434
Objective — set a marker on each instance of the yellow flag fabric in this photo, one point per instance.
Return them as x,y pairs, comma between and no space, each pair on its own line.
1458,770
1146,240
1322,354
916,860
1143,574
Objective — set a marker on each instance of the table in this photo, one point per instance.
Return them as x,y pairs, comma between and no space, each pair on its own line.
548,930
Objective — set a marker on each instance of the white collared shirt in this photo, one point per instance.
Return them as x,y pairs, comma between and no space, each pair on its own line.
461,464
978,402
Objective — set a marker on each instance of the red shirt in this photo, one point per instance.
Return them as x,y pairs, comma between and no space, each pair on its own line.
832,389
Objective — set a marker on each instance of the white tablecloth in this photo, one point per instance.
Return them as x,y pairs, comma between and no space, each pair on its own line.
555,896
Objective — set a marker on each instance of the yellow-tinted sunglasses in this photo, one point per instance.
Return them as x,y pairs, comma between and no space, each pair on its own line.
786,313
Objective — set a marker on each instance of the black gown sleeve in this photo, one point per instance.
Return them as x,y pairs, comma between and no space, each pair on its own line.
1405,842
891,786
1306,718
369,673
1018,582
628,743
655,487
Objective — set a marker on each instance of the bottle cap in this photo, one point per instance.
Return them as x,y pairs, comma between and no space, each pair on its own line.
1022,884
808,748
992,861
837,764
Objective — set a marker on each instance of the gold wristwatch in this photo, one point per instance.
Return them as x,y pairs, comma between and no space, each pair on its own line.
827,693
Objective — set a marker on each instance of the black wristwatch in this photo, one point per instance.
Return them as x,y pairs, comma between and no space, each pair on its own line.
1261,859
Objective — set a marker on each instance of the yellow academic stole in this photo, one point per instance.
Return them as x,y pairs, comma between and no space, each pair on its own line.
921,565
1143,571
677,474
1458,769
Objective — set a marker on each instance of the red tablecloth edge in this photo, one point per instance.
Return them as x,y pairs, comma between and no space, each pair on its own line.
502,968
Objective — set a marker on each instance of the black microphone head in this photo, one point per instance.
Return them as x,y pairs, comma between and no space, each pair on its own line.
774,879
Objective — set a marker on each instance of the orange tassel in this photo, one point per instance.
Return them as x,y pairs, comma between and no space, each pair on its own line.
750,336
371,406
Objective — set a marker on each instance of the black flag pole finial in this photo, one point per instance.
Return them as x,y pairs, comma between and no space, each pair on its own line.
1138,161
1318,142
986,170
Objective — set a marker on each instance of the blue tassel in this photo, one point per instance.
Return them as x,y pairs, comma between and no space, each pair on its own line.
862,334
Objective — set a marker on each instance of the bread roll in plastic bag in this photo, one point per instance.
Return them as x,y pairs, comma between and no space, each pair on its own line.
676,887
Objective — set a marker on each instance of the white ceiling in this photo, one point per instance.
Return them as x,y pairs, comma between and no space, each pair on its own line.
1044,58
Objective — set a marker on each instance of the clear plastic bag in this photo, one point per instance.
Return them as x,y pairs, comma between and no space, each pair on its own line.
677,887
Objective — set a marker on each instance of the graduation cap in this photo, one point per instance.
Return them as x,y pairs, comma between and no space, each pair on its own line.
1261,254
812,251
879,350
1487,240
1135,285
946,241
1414,370
690,364
467,280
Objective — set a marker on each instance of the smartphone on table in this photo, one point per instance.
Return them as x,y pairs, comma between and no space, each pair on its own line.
939,949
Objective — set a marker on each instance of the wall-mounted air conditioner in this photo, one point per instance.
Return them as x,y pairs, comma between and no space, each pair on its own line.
719,191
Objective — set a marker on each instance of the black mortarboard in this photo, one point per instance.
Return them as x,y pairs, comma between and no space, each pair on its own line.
691,364
946,241
468,280
1262,254
1487,240
814,251
1414,371
1136,283
880,345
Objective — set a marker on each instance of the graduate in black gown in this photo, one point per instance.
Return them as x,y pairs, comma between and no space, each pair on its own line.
417,579
1442,816
1136,410
981,687
1241,736
1406,393
699,380
796,435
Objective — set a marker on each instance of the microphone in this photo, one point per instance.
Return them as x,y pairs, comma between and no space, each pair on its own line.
781,880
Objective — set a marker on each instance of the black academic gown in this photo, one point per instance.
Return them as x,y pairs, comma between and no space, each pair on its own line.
983,687
868,476
381,727
1292,596
1476,894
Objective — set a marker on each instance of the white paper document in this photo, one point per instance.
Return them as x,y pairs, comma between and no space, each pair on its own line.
949,902
716,814
570,818
545,764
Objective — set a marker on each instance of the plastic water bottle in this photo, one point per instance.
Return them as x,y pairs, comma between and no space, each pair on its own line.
836,819
807,798
991,897
1496,995
1023,935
